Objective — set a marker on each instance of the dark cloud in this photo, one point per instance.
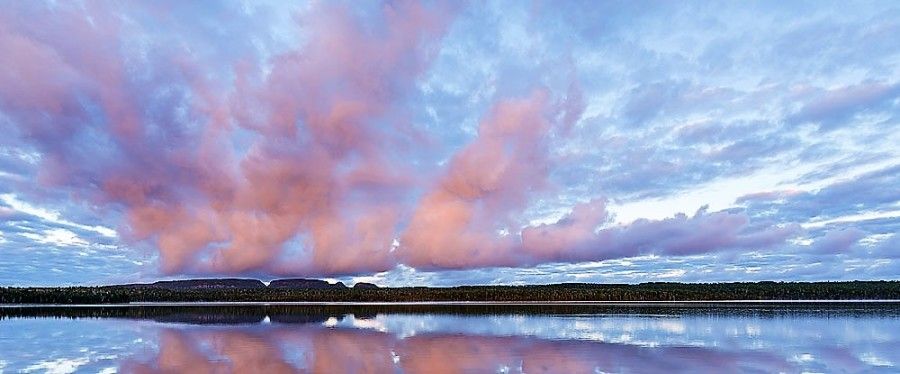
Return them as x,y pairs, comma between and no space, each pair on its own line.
871,191
837,241
833,108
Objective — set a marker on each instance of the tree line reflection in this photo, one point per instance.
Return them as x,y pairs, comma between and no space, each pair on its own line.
256,313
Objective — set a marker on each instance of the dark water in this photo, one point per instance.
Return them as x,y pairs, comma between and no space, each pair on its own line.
669,338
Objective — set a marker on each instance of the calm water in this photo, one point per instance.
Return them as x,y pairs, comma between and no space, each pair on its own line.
713,338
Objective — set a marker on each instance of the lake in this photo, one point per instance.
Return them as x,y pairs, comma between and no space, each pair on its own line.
430,338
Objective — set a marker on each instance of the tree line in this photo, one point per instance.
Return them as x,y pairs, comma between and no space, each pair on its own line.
855,290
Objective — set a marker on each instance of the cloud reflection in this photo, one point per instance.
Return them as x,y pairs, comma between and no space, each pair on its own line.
317,350
527,344
350,342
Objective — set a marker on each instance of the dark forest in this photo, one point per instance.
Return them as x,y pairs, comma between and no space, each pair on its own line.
317,291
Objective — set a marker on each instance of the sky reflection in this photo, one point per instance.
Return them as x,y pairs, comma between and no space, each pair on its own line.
440,343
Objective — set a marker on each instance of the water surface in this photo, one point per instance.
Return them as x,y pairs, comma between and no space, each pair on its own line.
619,338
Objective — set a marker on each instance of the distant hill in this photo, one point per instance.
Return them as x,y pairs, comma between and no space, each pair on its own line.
240,283
364,286
226,283
311,284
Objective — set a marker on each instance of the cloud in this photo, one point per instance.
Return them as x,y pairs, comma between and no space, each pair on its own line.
576,237
869,191
836,106
317,169
456,223
838,241
888,248
272,139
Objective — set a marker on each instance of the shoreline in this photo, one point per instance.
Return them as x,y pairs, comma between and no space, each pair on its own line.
453,303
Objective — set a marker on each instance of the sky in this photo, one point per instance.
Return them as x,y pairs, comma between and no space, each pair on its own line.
446,143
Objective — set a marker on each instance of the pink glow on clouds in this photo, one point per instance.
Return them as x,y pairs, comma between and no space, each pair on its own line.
455,224
322,168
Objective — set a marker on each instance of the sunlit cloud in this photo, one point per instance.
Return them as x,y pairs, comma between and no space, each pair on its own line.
448,143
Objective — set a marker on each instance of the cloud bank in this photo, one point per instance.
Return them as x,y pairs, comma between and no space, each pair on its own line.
336,139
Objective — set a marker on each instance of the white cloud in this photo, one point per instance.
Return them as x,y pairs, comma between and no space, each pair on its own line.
58,366
58,236
865,216
51,216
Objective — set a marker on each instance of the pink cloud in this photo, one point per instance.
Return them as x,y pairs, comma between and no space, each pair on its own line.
321,184
181,187
581,236
456,223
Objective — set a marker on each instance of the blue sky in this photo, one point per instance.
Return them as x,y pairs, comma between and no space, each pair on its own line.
449,143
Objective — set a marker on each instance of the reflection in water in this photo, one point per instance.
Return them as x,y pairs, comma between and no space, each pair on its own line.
323,341
286,350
